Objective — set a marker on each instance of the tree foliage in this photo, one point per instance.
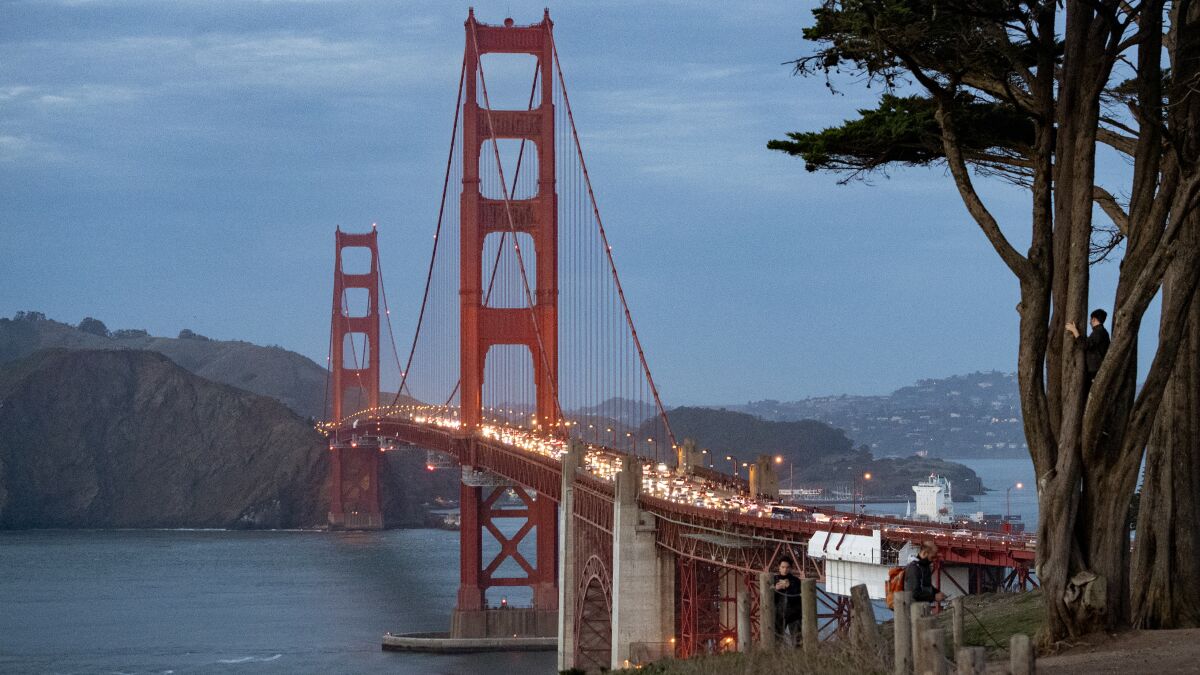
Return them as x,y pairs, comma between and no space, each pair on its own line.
1029,90
904,130
93,327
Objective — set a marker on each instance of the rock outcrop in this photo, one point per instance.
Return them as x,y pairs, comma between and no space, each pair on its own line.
123,438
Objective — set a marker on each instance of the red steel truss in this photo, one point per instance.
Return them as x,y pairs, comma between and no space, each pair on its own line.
480,513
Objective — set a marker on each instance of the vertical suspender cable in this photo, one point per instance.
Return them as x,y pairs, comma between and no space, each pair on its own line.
608,249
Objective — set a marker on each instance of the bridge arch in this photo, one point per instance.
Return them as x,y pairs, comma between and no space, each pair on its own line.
593,617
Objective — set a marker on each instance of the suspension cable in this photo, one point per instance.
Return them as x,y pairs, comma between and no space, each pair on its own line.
608,248
500,248
436,237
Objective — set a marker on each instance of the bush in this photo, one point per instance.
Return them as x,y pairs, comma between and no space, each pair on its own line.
29,316
188,334
130,333
93,326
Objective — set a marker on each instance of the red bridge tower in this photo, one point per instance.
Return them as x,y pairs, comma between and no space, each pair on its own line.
483,327
354,465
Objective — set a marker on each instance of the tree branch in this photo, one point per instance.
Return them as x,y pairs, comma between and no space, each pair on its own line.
1112,209
1016,262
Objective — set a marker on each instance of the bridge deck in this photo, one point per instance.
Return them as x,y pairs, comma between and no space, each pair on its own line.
701,516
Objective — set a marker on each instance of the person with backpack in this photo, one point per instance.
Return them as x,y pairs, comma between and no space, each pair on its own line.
918,576
787,603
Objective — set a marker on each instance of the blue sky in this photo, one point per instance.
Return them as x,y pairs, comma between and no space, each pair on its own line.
168,165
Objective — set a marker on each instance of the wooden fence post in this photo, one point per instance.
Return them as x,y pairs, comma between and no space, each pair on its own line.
902,623
922,663
971,661
766,610
808,614
1020,655
933,648
916,612
957,604
864,632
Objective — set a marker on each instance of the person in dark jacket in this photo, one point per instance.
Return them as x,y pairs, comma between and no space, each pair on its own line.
1095,346
918,576
787,602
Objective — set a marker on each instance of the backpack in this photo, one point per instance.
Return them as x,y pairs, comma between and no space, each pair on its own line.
895,584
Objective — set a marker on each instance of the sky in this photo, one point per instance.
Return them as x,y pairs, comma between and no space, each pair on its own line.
170,165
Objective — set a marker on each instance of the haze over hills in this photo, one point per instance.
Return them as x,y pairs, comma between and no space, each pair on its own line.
813,452
825,439
967,416
295,380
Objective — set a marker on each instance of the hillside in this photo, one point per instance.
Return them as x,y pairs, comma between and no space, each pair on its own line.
127,438
295,380
976,415
813,452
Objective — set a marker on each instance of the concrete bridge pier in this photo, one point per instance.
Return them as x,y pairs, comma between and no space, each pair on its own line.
643,605
566,558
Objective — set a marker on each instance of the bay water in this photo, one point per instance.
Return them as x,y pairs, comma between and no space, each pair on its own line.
215,601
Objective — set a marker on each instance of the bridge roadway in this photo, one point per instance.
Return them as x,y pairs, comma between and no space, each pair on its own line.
705,520
534,462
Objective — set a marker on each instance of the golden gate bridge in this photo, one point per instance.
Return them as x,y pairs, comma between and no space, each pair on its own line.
526,369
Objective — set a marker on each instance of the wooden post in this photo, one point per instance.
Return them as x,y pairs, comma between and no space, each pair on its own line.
903,625
957,605
766,610
864,633
933,648
922,663
743,616
971,661
916,612
808,614
1020,655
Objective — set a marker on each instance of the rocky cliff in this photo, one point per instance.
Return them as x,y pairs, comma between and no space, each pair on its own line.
271,371
127,438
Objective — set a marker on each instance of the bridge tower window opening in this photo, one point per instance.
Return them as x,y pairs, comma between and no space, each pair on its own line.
357,260
356,347
519,159
356,302
509,389
508,80
501,270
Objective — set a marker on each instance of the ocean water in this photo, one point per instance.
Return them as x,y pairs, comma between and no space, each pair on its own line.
244,603
251,603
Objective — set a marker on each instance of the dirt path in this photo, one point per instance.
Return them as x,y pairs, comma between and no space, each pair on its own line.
1158,652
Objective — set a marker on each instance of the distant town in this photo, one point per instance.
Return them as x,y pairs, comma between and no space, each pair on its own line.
964,416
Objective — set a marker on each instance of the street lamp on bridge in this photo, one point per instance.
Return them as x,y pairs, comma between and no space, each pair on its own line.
1008,503
862,491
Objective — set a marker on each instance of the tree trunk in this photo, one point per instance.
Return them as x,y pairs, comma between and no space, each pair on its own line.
1166,563
1165,590
1073,605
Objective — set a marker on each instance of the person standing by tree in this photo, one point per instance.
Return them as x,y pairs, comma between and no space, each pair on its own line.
918,577
787,603
1095,346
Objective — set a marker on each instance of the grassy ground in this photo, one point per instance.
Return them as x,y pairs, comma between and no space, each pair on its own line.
833,658
992,618
990,621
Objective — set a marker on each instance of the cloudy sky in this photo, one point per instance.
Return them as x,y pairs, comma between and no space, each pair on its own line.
168,165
